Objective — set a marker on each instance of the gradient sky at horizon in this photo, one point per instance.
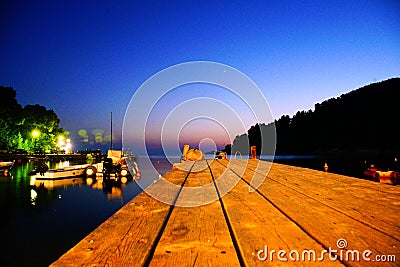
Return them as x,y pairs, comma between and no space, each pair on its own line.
85,59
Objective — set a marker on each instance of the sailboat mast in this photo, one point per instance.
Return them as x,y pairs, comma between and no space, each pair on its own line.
111,133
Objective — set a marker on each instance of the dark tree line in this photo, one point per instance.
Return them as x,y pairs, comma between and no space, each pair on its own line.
260,135
363,120
17,124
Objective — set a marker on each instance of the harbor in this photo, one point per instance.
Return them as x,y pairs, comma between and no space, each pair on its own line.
296,214
42,219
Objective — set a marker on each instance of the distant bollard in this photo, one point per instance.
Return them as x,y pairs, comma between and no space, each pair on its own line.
253,152
185,150
222,155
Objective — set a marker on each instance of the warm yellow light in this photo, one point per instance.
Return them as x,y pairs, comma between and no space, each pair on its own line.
35,133
60,142
68,148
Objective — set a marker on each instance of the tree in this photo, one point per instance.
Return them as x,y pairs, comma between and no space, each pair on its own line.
240,144
362,120
228,149
10,116
45,122
254,134
17,124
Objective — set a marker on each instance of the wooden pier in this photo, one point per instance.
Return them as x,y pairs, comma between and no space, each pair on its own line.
292,214
52,157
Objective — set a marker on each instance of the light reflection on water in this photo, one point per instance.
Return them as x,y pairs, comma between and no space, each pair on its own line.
38,224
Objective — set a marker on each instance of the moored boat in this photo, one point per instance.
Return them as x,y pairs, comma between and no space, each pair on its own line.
61,173
115,165
389,177
386,177
371,173
6,164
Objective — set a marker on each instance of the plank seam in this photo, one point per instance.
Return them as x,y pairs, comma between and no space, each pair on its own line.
329,206
285,214
164,225
239,253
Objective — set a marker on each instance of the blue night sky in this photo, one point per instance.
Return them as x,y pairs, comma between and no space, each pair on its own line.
84,59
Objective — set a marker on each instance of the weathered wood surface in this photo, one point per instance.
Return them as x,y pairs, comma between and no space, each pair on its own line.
267,226
126,238
293,209
196,236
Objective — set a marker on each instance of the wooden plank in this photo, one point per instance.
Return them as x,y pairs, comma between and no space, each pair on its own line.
365,205
196,236
294,208
126,238
257,223
324,224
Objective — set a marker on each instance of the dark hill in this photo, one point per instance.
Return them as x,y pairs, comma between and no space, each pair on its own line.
365,120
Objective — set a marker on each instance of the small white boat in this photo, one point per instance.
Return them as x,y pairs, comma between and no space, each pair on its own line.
61,173
6,164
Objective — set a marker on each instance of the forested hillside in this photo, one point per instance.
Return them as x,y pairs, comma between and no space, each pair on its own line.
365,120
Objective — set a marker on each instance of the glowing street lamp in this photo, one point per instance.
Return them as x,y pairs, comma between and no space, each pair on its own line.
60,141
68,146
35,135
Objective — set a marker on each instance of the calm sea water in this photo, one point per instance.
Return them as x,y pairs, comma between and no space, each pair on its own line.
347,165
37,226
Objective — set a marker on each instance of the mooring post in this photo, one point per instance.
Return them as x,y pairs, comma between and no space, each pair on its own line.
253,152
185,150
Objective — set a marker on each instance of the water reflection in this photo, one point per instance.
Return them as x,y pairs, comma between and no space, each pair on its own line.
33,196
41,221
52,184
113,188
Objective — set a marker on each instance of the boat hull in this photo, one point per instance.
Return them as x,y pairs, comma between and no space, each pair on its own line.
6,164
67,172
389,177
